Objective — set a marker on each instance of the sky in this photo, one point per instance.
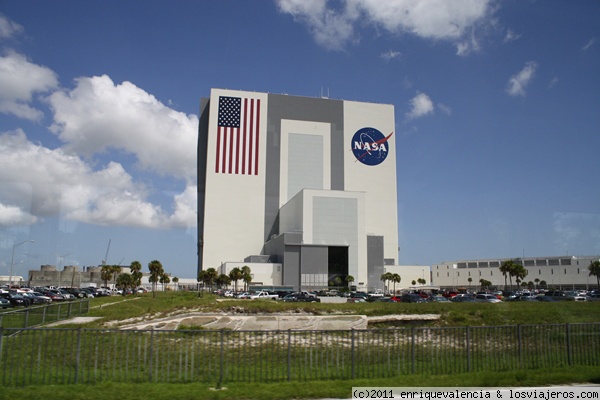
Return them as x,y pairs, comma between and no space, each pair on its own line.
497,113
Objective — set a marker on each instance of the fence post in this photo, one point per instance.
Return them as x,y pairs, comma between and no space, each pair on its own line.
412,349
44,314
289,364
26,322
77,355
151,355
69,310
352,353
468,348
221,361
520,345
569,355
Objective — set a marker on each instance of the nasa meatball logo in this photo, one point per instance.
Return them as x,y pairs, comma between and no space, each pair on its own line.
370,146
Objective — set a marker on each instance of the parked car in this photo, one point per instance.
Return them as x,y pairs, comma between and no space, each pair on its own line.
4,303
438,299
487,298
412,298
301,298
574,296
463,298
37,299
356,300
17,300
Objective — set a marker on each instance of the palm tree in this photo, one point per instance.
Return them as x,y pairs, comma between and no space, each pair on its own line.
176,282
484,283
116,270
537,282
506,268
384,278
210,277
520,272
164,280
156,270
136,273
124,282
349,280
222,280
396,279
470,280
106,274
235,275
246,276
594,269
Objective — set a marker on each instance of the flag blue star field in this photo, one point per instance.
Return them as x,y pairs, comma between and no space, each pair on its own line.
238,136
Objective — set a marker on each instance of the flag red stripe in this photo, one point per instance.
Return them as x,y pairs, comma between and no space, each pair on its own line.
257,136
244,134
251,136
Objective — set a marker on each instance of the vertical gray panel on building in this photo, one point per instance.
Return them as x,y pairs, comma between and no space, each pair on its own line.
305,163
375,261
291,271
315,260
300,109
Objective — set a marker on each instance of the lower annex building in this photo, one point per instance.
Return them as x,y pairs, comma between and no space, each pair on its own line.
302,190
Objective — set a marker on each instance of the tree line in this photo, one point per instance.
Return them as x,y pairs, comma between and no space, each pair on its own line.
210,277
133,279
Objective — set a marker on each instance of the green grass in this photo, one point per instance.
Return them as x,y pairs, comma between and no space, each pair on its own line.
298,390
453,314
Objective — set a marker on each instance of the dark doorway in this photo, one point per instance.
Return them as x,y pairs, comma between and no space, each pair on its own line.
337,265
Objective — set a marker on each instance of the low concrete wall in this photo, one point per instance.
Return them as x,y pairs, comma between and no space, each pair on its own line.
256,322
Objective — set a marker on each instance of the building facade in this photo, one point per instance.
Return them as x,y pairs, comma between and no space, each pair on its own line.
308,182
564,272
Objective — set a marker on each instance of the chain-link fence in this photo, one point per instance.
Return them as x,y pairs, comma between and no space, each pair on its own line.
65,356
38,315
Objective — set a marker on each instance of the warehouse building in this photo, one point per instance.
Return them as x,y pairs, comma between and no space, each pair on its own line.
563,272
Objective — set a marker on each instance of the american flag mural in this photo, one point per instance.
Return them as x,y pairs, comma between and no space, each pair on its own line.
238,136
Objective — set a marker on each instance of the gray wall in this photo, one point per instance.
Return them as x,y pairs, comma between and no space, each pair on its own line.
301,109
375,261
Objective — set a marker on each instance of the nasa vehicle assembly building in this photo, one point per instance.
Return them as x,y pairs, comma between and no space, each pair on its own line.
302,190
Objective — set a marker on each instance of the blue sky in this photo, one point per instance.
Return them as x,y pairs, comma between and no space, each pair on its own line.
497,118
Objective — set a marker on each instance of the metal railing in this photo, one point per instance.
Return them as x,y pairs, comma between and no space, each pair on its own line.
38,315
67,356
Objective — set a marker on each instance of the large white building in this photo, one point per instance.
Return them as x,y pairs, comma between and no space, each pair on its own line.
563,272
307,183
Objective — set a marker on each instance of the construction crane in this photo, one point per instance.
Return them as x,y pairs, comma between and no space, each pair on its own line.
106,255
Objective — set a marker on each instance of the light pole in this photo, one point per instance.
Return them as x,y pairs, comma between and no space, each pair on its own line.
12,259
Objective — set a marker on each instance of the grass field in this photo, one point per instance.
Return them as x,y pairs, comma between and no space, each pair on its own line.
452,314
117,310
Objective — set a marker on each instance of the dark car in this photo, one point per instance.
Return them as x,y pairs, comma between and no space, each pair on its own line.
37,298
412,298
4,303
463,299
301,298
17,300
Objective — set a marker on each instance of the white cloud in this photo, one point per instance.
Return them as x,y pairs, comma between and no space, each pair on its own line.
9,28
589,44
390,55
518,82
98,115
64,184
19,81
420,105
445,109
511,36
428,19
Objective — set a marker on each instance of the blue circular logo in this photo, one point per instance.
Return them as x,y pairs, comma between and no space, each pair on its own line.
370,146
